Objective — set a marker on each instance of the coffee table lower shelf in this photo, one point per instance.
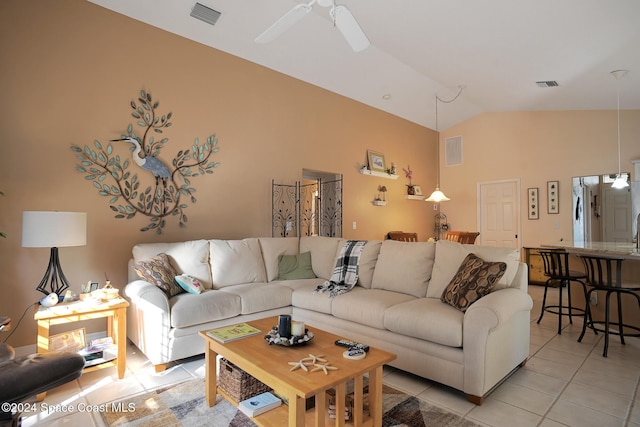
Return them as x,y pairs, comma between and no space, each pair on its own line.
279,416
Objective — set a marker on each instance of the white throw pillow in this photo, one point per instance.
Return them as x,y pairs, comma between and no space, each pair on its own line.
235,262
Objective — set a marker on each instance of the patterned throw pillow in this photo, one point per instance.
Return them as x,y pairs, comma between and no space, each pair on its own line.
475,278
160,272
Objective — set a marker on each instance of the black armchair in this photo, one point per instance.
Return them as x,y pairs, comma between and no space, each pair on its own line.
27,376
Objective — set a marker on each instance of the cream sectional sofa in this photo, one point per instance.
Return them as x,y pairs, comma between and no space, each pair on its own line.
396,305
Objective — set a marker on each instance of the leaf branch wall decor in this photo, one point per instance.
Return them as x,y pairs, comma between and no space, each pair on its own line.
165,196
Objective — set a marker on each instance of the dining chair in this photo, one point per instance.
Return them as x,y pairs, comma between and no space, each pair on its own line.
469,237
453,236
402,236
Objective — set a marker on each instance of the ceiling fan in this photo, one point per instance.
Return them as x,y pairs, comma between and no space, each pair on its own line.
341,16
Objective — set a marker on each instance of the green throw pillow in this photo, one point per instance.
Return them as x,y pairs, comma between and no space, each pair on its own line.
292,267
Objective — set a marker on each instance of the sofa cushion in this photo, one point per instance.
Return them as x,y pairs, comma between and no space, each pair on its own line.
366,306
191,257
449,256
304,297
257,297
236,261
475,278
428,319
160,272
323,253
274,247
368,260
291,267
404,267
211,305
189,284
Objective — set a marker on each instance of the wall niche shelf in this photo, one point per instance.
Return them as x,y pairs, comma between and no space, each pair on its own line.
412,197
378,174
379,203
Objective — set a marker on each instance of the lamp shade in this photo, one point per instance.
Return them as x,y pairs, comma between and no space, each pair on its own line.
53,229
437,196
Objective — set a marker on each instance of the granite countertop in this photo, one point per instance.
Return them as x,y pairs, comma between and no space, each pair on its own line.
626,250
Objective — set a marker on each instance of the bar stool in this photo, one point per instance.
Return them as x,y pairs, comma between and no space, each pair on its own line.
556,269
602,277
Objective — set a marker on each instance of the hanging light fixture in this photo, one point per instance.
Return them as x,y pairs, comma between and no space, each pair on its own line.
438,196
621,180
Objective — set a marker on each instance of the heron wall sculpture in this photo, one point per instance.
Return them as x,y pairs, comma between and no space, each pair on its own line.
112,178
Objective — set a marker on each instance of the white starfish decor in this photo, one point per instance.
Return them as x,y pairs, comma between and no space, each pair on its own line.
312,362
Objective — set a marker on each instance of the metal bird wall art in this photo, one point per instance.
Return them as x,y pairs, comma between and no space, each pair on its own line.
164,196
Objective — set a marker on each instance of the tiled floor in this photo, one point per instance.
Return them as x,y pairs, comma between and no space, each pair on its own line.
565,383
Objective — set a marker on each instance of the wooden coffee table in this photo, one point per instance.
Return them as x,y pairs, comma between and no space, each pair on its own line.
269,364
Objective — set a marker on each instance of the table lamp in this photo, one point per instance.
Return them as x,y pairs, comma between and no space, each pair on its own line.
53,230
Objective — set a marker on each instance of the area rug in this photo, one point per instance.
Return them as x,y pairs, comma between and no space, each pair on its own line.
184,405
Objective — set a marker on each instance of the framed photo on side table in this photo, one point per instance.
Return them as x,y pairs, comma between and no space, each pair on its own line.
376,161
553,205
532,203
73,341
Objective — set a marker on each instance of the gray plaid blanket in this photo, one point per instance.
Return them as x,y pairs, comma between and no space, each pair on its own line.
345,273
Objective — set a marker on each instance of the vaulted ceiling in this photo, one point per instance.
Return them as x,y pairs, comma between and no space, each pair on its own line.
496,49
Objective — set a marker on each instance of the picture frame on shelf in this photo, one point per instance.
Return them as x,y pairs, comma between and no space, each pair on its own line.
417,190
74,340
532,203
376,161
553,199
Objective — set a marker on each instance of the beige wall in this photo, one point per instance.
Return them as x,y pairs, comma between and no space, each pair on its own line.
70,70
535,147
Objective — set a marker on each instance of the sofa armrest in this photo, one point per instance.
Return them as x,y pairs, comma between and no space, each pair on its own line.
495,338
144,293
149,320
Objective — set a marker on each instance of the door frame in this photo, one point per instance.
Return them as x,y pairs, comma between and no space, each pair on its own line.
518,215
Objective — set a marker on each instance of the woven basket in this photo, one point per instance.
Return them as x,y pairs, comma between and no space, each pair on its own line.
237,384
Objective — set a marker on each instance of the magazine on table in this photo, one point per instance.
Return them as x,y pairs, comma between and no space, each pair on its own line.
233,332
259,404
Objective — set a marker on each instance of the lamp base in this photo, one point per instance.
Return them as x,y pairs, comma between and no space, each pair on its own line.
54,276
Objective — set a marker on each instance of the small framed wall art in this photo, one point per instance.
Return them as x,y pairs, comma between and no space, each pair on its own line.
417,190
553,205
532,203
376,161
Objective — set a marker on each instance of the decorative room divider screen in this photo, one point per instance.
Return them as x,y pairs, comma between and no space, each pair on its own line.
307,209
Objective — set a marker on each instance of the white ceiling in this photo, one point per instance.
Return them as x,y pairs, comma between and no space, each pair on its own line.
496,49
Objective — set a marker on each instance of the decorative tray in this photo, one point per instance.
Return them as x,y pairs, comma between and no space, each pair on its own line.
274,338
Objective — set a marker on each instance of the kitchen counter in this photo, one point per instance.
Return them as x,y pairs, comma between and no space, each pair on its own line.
625,250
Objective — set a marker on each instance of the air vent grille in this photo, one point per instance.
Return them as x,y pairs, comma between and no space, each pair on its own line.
205,14
547,83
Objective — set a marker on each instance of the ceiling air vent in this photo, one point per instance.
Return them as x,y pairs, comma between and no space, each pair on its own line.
547,83
205,14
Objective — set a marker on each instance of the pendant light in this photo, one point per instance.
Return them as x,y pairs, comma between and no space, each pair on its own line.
621,180
438,196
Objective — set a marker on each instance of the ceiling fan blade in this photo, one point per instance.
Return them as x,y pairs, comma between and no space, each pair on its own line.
287,21
349,28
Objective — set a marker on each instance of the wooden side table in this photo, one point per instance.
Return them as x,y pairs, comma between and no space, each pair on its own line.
114,310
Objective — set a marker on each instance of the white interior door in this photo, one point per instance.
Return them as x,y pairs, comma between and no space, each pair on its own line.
499,213
617,215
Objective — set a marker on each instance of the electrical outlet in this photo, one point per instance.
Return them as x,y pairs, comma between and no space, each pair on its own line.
594,299
353,225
